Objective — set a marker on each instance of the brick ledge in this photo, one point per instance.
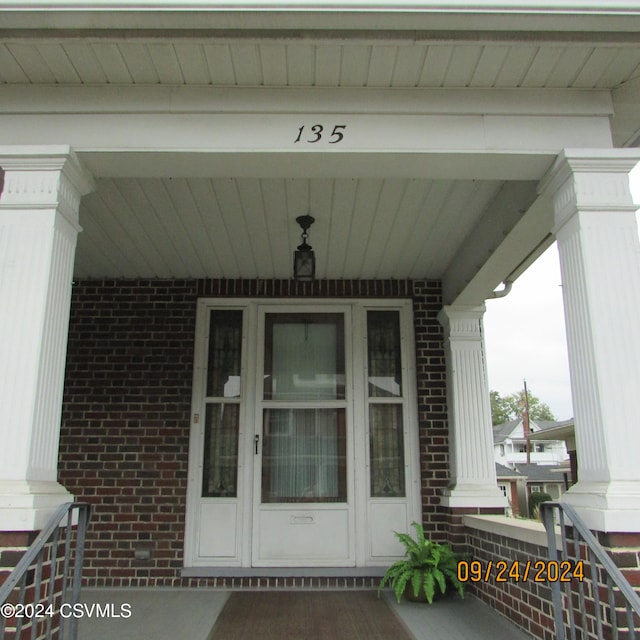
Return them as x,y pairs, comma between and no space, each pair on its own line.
528,531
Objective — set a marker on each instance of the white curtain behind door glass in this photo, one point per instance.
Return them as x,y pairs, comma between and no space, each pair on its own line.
304,361
303,455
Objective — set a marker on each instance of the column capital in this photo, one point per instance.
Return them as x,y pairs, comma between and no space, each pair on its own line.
47,177
462,321
590,180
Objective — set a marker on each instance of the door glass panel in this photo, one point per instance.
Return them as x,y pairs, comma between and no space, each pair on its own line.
387,450
383,354
304,455
225,348
304,357
220,471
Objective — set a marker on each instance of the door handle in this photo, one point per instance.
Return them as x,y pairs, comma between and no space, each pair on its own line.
256,441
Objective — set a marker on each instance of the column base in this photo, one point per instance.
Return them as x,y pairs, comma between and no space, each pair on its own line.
607,506
472,496
27,506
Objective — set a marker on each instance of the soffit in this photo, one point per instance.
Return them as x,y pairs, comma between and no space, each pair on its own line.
245,228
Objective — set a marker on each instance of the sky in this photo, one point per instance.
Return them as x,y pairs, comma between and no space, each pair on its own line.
525,332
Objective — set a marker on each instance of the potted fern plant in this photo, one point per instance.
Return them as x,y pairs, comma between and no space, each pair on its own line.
429,569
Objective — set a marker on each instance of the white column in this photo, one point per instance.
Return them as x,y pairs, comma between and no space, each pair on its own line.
472,466
600,262
38,230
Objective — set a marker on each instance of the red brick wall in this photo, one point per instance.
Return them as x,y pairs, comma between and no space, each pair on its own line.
528,603
125,432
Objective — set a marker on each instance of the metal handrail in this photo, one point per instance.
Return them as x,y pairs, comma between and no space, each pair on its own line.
42,611
597,558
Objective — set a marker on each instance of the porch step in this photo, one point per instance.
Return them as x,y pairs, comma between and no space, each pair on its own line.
158,614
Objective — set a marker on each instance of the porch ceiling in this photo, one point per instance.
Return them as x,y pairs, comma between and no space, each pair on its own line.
245,227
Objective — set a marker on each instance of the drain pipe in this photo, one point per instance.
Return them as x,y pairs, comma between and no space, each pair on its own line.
508,284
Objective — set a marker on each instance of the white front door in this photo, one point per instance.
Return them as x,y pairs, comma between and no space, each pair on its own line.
304,448
303,475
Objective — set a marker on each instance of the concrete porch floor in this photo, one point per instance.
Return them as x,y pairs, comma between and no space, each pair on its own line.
191,613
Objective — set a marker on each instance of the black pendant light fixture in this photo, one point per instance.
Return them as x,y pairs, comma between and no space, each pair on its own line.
304,260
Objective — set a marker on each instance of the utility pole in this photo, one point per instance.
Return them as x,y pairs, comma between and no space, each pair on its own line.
525,423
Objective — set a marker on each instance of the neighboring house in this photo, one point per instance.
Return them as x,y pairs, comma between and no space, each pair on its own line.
551,479
512,484
510,443
159,359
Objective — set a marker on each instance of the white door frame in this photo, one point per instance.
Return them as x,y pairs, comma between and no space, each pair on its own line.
230,522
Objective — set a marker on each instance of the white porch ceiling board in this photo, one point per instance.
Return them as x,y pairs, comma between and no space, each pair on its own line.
28,58
163,255
122,206
220,64
107,231
420,243
257,221
538,71
245,61
382,65
624,66
462,65
595,67
463,209
436,65
321,205
380,234
490,63
340,223
165,61
228,198
319,63
139,63
407,225
193,63
328,62
222,253
58,61
273,62
354,69
409,65
10,70
111,59
281,228
362,217
194,227
568,66
515,66
300,65
85,62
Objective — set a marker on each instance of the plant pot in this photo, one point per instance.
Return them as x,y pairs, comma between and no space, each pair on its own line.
421,597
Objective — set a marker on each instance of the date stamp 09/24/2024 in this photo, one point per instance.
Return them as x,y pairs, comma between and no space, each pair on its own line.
534,571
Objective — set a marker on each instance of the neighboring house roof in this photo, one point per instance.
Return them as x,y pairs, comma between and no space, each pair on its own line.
504,473
505,430
543,472
556,431
502,431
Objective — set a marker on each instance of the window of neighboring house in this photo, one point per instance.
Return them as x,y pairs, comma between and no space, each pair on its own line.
535,488
504,488
501,449
540,448
522,448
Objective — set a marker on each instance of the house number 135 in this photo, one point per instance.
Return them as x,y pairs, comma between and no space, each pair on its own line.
316,133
